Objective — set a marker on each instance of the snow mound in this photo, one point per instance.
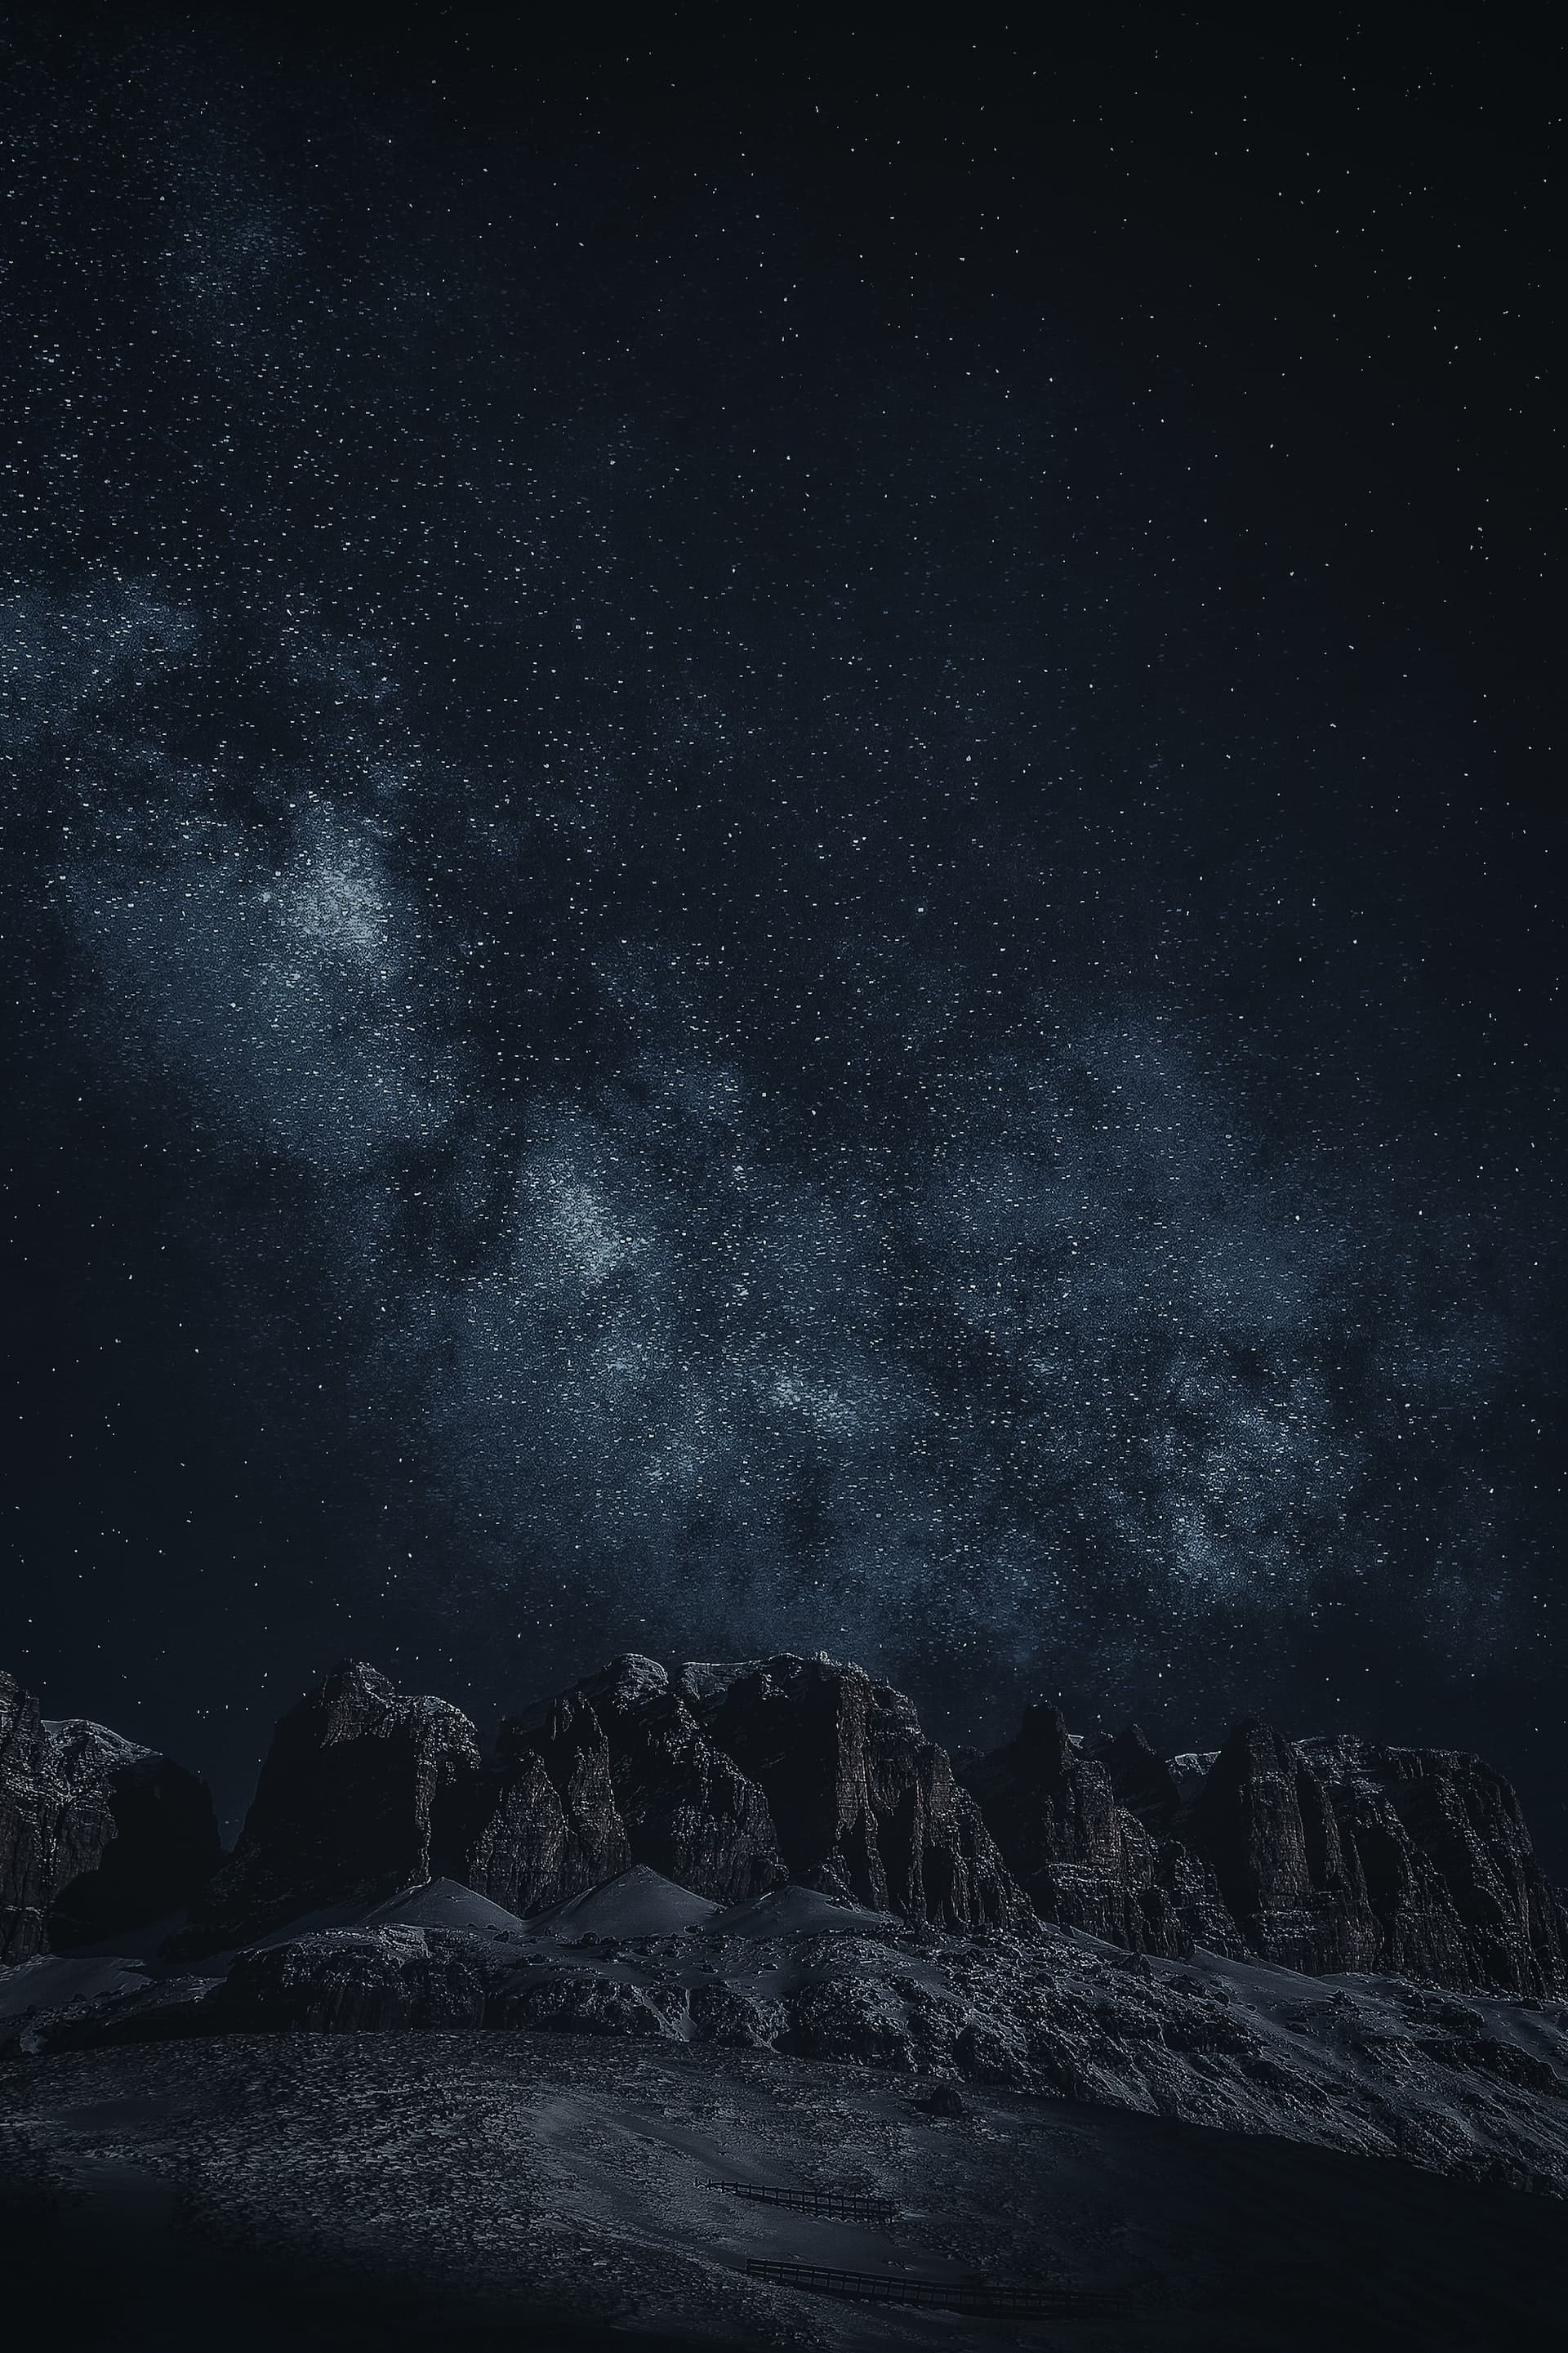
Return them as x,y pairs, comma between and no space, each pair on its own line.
793,1911
52,1979
439,1904
639,1902
444,1903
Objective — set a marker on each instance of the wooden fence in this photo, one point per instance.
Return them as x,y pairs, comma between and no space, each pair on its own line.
943,2295
839,2205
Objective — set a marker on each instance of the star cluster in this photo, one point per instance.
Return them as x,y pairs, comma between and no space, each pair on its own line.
727,935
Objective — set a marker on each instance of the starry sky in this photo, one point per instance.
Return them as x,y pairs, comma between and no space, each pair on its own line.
779,868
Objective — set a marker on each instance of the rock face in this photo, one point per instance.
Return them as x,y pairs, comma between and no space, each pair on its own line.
1082,1860
616,1772
863,1805
1450,1872
1345,1854
1318,1855
538,1821
1084,1856
31,1808
690,1813
1141,1779
97,1834
342,1811
1324,1856
1266,1825
1193,1891
164,1845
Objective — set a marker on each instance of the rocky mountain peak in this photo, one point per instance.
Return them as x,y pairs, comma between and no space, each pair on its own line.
1044,1737
85,1745
1141,1778
863,1804
344,1806
730,1778
98,1834
1265,1824
1082,1860
629,1681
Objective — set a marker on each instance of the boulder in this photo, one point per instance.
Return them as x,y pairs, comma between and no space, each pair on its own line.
96,1833
343,1809
863,1805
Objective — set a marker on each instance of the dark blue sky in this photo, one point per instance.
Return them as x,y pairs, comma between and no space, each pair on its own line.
778,870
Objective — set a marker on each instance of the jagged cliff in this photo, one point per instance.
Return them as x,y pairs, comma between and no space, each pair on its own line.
1084,1858
343,1810
729,1780
96,1833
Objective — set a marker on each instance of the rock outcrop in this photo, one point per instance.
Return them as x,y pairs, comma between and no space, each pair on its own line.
1194,1897
343,1810
163,1843
385,1980
1450,1871
586,2006
33,1814
690,1813
96,1833
1376,2064
1266,1825
538,1822
1142,1780
729,1781
1080,1857
1318,1855
862,1803
616,1772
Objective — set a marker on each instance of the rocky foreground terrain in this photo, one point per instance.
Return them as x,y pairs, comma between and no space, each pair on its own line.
550,2192
751,1915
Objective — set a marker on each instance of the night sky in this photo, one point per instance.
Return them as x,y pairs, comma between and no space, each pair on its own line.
780,865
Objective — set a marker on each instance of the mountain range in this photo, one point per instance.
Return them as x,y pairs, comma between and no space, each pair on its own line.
1322,1856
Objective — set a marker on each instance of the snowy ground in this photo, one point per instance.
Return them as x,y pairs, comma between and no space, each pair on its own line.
422,2189
1240,2157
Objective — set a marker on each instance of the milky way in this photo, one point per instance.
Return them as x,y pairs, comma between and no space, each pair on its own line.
750,960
